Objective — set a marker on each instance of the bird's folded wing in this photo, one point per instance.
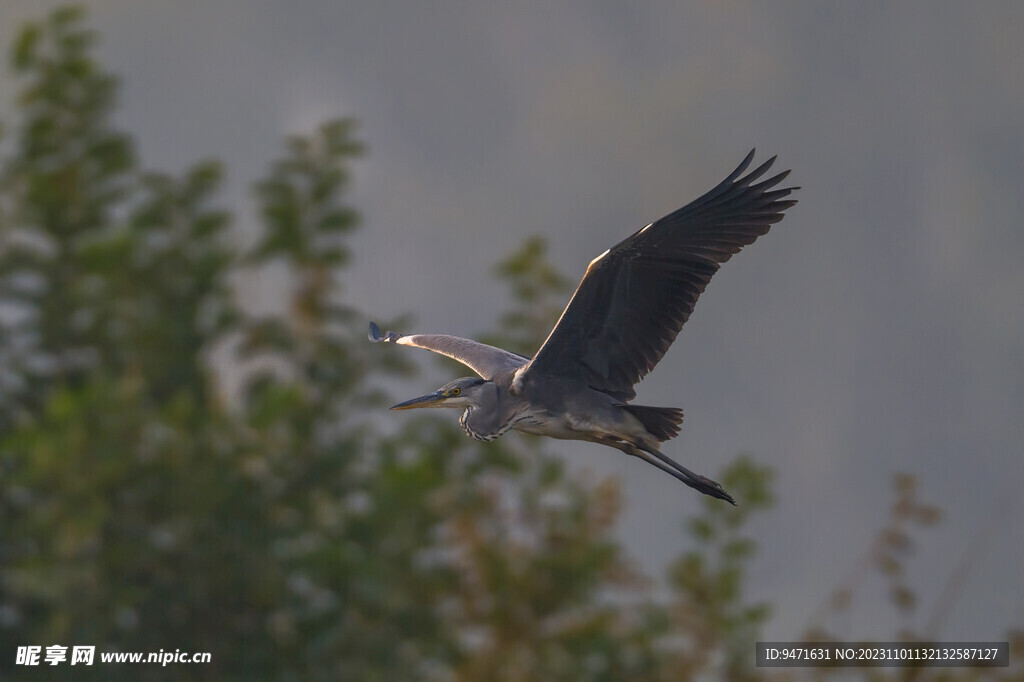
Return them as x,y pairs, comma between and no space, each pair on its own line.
483,359
635,297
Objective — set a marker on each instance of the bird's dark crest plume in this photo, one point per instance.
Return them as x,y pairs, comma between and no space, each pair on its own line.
624,315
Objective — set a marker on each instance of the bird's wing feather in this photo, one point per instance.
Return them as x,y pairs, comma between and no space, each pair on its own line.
634,298
483,359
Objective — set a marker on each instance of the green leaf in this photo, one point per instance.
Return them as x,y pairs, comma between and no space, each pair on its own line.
23,55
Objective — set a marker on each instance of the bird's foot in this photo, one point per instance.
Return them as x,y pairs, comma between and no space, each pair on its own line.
712,488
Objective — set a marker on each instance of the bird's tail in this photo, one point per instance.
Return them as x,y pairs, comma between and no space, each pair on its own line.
661,422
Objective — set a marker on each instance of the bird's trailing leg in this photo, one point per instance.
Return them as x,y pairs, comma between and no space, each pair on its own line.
652,456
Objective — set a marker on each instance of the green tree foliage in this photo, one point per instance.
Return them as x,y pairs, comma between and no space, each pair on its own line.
708,579
106,270
69,171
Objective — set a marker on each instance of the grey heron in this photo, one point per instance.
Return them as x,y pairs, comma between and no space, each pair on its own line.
628,308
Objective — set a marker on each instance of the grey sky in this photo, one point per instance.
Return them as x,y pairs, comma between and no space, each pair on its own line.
878,329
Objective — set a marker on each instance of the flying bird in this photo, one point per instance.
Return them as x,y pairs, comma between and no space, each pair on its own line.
628,308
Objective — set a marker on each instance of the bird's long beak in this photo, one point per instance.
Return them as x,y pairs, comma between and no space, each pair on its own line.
429,400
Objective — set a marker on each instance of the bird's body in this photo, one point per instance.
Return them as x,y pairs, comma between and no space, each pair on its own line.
627,310
589,415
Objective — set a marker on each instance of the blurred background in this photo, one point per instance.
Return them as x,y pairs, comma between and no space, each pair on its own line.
202,205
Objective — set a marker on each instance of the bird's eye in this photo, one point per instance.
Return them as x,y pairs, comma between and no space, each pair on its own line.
456,391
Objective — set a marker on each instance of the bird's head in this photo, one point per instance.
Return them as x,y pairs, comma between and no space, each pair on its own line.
462,393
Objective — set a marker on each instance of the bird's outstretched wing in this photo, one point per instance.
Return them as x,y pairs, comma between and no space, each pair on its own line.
636,296
483,359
